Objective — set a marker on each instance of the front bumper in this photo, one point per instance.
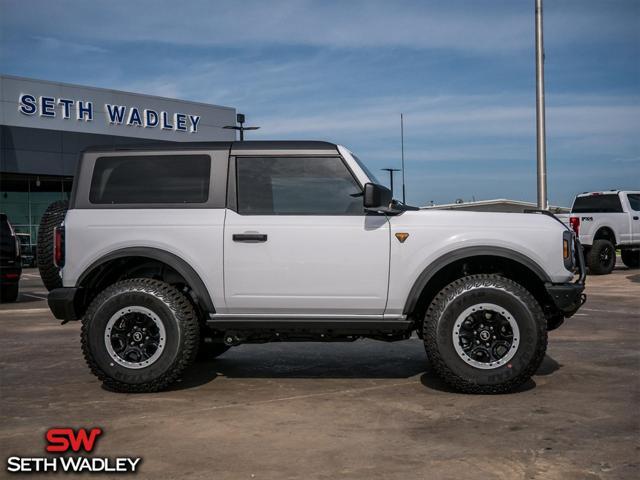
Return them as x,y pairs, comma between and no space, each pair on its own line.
568,297
65,302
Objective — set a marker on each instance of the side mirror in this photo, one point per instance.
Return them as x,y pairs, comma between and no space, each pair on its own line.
376,196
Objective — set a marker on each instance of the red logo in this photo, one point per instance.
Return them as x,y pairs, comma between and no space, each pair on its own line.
65,439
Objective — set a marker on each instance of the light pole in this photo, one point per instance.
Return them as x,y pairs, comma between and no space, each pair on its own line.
391,171
404,200
541,142
240,119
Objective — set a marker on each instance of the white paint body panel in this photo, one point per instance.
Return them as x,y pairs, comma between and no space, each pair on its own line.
308,265
194,235
435,233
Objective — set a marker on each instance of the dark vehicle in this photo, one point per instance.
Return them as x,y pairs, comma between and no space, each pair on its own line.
10,262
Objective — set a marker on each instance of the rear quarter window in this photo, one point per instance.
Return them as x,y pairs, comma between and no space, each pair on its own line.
607,203
151,179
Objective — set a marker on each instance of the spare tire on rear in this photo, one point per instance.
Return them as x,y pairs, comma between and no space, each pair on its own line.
52,218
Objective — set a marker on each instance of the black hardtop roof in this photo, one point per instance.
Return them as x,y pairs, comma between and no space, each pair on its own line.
246,145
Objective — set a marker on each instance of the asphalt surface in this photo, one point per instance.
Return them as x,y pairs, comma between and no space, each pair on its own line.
356,410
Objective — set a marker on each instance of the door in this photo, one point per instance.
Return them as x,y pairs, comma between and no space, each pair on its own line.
634,203
299,241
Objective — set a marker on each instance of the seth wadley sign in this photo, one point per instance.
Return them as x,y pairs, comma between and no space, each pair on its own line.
82,110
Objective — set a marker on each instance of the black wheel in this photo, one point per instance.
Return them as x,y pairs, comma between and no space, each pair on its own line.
485,334
601,257
631,258
53,216
9,293
139,335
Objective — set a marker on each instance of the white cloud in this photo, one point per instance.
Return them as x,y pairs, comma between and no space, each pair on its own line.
75,48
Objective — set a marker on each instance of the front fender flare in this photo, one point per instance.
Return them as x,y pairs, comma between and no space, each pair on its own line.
466,252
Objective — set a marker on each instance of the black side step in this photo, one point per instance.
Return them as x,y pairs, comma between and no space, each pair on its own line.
309,324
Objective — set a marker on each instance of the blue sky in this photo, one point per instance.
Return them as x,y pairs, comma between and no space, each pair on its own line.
461,71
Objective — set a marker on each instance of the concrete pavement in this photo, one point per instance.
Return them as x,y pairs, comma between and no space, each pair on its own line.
356,410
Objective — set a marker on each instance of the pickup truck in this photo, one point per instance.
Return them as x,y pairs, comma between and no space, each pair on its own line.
604,222
174,249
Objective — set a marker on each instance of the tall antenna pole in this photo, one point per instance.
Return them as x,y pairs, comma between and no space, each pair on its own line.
404,199
541,142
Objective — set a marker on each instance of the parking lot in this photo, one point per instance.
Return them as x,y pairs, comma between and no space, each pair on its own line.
356,410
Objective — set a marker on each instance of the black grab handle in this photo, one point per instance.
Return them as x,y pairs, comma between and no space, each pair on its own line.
249,237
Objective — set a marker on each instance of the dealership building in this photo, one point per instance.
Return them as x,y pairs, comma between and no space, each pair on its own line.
46,125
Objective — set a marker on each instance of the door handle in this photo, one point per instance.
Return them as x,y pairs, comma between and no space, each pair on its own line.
249,237
635,218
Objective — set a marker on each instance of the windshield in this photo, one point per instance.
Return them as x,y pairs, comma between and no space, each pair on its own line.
364,168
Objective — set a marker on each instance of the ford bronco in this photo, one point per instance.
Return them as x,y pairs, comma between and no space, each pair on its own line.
170,250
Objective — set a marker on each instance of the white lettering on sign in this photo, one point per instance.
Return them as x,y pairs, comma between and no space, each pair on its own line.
83,110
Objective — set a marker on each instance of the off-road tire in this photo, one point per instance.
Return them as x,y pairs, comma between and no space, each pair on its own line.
631,258
594,258
440,320
53,216
9,293
178,318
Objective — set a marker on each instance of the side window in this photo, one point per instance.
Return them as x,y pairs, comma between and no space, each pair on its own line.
296,186
151,179
634,201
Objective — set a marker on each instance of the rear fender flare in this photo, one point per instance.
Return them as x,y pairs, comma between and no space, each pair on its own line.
192,278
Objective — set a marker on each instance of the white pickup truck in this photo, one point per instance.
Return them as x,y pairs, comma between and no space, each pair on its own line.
173,249
604,222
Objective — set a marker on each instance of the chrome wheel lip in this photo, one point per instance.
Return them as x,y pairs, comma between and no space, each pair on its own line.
156,320
486,307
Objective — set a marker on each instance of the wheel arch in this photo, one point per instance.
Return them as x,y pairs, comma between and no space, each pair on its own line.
470,260
604,232
142,259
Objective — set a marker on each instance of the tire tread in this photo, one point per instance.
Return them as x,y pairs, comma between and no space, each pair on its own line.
448,295
593,258
184,314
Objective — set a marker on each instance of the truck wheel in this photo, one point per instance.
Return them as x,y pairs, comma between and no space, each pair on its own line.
139,335
485,334
631,258
9,293
53,216
601,257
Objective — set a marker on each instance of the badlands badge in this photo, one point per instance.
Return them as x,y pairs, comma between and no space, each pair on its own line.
67,445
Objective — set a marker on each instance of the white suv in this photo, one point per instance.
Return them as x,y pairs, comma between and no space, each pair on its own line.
173,249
